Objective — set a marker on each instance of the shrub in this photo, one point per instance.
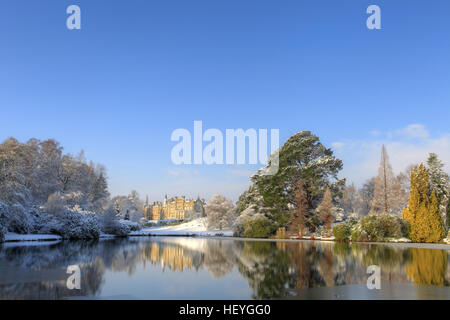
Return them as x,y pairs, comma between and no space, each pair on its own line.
133,226
4,214
239,224
111,225
258,227
15,218
119,229
341,232
356,234
42,223
2,233
378,227
75,225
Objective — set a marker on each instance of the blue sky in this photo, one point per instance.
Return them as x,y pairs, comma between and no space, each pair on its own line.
137,70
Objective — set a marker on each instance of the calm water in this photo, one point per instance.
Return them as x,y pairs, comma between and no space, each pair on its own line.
191,268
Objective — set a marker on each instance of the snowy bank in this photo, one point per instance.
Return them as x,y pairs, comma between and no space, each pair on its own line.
14,237
193,228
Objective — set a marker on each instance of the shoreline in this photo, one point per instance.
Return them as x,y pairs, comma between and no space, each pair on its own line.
30,238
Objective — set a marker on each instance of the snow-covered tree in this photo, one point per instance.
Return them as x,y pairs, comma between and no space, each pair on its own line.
383,185
220,212
110,224
36,175
55,204
98,195
440,184
129,207
349,199
389,196
250,206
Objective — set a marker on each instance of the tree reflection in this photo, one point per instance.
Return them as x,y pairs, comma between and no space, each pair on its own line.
265,267
272,269
428,267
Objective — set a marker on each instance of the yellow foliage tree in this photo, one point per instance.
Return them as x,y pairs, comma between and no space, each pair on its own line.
422,211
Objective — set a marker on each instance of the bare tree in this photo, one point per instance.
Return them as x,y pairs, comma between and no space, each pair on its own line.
383,185
349,199
220,212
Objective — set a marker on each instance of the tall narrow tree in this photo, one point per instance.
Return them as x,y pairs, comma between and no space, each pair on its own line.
383,185
301,214
439,183
422,211
349,199
325,209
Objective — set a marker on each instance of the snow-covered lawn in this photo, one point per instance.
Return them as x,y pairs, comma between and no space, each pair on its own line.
193,228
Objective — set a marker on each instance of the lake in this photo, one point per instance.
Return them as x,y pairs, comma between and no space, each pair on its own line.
199,268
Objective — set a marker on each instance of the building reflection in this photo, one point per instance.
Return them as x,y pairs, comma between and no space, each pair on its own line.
174,258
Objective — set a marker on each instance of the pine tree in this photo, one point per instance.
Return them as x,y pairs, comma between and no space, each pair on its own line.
325,209
304,157
422,211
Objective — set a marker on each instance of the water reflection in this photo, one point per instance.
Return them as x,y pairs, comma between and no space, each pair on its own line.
267,269
428,267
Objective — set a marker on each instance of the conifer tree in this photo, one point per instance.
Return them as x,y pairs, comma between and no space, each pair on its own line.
422,211
325,209
389,194
304,157
439,183
383,185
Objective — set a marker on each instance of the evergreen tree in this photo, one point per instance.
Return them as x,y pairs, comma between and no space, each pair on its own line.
422,211
301,157
325,209
439,183
99,193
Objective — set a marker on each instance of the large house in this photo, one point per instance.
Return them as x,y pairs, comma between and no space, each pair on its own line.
174,208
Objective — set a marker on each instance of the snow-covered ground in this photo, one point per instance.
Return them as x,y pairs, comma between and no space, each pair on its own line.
31,237
15,244
193,228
